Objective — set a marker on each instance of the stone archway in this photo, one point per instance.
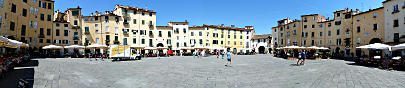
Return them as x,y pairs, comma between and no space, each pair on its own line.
375,40
262,49
160,45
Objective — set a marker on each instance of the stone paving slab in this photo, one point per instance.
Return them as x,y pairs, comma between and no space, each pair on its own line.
257,71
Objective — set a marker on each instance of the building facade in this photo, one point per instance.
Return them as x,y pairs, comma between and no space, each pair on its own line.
262,44
28,21
394,21
348,29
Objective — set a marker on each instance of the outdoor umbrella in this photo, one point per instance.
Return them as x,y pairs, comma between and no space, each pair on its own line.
74,47
150,48
397,47
52,47
97,46
379,46
136,47
313,47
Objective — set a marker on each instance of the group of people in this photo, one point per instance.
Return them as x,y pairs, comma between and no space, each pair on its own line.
301,57
95,56
198,53
228,58
8,62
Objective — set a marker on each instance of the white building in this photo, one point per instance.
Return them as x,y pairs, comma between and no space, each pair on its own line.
394,20
262,44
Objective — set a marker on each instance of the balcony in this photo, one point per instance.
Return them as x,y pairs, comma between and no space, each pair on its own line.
41,36
75,38
87,33
116,42
396,11
125,32
76,27
126,23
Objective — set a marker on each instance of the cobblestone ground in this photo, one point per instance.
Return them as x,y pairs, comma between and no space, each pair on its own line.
258,71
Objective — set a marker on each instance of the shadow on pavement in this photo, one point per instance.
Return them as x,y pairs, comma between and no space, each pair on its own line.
24,71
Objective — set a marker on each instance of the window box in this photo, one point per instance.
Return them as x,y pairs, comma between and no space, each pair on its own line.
76,27
41,36
75,38
116,42
393,12
87,33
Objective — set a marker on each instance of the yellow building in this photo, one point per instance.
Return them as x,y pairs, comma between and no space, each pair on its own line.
28,21
348,29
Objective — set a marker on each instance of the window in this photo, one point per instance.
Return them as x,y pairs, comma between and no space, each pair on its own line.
294,32
169,41
358,40
1,3
320,25
375,15
107,28
41,40
201,41
116,30
312,42
358,29
49,5
200,33
75,22
134,20
41,31
337,14
66,33
24,12
312,34
96,31
347,31
13,8
12,24
375,27
49,41
192,33
116,38
396,23
396,37
107,37
35,24
143,41
184,30
358,18
169,33
338,32
57,32
48,31
32,10
75,13
97,40
86,30
320,33
42,17
396,8
160,33
65,25
125,41
143,22
49,18
338,22
305,26
117,19
1,21
23,27
36,12
313,26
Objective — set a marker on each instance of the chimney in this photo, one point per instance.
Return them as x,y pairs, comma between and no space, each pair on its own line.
106,13
233,26
186,20
222,25
91,14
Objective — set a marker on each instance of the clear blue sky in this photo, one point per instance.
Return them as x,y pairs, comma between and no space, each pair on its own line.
263,14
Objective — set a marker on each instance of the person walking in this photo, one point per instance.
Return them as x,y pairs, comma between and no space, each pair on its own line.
304,54
217,52
228,63
158,54
223,54
299,58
